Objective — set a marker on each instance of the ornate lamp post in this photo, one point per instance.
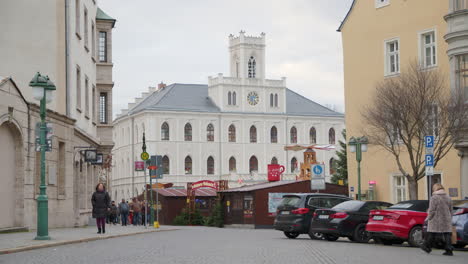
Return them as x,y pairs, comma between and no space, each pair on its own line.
42,90
358,145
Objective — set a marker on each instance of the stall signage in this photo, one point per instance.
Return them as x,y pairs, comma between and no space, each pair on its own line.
274,172
204,184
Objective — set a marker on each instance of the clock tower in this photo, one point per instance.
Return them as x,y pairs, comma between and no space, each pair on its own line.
247,90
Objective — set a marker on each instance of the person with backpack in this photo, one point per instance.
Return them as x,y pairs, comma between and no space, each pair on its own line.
124,210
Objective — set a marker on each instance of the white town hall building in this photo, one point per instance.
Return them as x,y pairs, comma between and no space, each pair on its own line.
230,129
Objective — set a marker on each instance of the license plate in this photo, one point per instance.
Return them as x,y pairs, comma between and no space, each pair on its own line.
378,217
285,212
323,216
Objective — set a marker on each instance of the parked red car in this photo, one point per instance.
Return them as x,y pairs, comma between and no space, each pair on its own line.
398,223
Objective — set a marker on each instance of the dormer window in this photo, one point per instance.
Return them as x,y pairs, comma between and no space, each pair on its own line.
252,66
381,3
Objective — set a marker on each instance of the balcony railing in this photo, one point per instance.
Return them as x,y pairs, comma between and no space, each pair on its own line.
460,5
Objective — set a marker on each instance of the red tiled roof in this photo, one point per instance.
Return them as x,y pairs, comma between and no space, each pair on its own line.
183,192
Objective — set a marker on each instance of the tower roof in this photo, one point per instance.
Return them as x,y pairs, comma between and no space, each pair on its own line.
101,15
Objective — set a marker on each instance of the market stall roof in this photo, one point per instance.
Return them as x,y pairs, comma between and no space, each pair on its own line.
183,192
259,186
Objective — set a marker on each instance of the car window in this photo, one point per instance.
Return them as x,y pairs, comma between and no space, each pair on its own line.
348,206
369,206
382,206
412,205
314,202
290,201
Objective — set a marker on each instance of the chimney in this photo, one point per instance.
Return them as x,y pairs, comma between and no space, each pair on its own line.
161,86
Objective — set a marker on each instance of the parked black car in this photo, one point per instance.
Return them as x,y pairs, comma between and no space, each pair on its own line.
347,219
294,214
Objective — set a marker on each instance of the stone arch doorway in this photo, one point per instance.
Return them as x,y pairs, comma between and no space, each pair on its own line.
11,189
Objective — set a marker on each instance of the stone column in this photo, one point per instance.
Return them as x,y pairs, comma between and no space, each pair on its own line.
463,153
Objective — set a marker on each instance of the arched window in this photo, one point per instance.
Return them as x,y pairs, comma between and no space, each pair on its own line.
165,164
188,165
331,136
293,165
229,98
188,132
253,164
312,135
276,100
274,135
164,131
232,133
252,66
210,132
293,134
232,164
234,98
210,166
253,134
271,100
274,160
332,166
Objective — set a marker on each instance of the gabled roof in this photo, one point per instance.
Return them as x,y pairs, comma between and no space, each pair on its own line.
101,15
194,98
346,17
259,186
4,80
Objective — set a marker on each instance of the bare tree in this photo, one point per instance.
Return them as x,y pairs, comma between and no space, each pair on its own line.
405,109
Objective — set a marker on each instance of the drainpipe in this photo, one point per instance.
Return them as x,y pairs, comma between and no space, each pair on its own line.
133,158
220,149
67,60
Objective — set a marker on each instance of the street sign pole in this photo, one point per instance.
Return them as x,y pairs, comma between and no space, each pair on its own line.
429,144
146,198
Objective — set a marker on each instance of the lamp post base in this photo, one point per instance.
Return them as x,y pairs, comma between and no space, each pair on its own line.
42,238
42,218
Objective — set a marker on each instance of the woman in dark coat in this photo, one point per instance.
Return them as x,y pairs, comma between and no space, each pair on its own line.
101,206
439,219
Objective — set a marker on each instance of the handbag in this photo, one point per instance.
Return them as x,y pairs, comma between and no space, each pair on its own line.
454,235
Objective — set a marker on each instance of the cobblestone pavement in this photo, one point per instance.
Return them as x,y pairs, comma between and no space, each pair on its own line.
213,245
66,235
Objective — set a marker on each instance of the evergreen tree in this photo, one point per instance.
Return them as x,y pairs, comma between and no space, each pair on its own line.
341,165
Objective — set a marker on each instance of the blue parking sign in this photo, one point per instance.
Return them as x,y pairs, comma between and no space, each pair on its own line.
429,160
429,140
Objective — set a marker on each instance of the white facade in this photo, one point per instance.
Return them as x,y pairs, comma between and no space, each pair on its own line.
250,106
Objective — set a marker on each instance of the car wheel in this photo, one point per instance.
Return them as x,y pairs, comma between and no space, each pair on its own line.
331,237
415,238
360,234
291,235
316,236
351,238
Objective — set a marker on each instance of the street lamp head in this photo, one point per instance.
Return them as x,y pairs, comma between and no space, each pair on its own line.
50,88
352,144
38,84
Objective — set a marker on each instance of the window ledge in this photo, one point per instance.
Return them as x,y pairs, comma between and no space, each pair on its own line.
429,68
390,75
78,35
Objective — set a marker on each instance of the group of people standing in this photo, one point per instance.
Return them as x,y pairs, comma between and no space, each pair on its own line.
105,210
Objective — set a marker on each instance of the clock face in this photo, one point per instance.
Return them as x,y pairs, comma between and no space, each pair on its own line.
252,98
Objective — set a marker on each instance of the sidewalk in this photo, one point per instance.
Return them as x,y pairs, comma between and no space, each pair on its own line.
17,242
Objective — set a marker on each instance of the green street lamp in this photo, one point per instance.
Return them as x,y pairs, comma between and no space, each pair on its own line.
358,145
43,89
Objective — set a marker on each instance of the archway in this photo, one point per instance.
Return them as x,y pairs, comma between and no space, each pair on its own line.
11,177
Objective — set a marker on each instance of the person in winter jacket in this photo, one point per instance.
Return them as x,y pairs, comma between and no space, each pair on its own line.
439,220
124,210
101,205
113,213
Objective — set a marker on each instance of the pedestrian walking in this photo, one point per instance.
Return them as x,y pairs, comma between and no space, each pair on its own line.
113,213
124,210
136,208
439,220
101,206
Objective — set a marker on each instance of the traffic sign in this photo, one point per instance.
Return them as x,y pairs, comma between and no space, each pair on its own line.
429,171
429,141
318,170
152,167
144,155
429,160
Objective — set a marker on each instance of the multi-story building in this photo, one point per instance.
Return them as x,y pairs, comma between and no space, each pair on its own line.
70,41
457,40
380,39
230,129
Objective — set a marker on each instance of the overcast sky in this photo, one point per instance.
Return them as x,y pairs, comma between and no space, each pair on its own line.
185,41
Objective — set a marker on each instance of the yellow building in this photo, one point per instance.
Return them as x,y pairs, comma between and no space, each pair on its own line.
380,38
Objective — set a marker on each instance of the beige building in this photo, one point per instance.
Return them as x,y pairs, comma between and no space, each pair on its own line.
380,39
71,42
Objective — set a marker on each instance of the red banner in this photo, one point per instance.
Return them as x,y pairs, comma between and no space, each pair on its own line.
139,165
202,184
274,172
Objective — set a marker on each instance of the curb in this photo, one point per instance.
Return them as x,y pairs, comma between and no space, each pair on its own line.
67,242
